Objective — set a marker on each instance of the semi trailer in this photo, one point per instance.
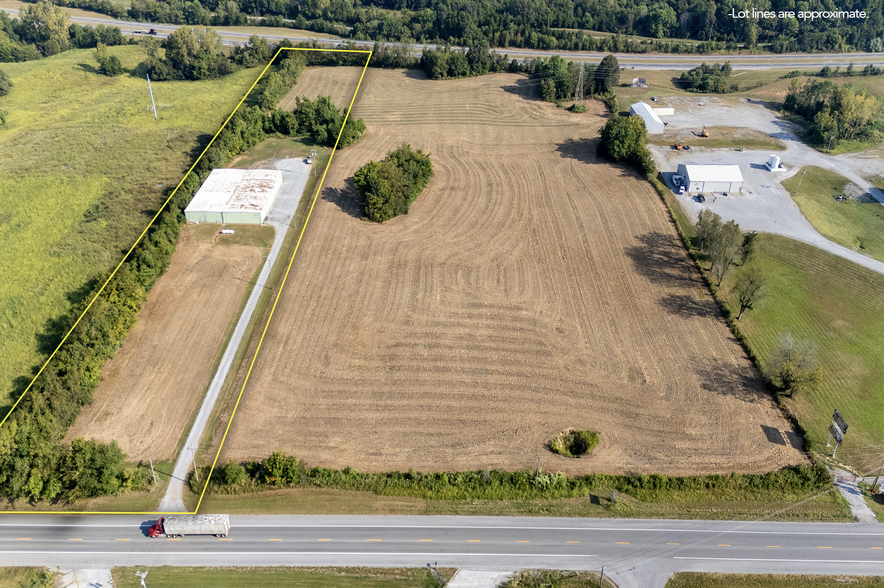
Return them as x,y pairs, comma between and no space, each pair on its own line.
181,525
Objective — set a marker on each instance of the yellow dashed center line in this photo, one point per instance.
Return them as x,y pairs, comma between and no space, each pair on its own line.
274,539
774,546
174,538
323,539
224,539
622,542
474,540
824,547
374,539
518,541
572,541
876,547
72,539
725,545
122,539
673,544
28,539
424,539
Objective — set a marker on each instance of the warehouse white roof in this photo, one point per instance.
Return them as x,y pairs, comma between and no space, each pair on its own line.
236,190
645,111
714,173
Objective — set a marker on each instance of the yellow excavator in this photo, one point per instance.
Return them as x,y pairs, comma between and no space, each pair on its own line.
705,133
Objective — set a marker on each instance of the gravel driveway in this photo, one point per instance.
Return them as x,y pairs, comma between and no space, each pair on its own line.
764,205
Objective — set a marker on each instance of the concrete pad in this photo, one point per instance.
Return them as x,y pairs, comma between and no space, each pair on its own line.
845,482
86,578
478,579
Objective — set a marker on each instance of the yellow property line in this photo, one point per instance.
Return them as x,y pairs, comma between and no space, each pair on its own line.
144,232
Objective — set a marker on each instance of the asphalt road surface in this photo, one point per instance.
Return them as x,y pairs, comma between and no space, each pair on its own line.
634,552
628,60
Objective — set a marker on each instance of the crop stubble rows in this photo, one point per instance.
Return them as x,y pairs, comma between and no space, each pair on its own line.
532,288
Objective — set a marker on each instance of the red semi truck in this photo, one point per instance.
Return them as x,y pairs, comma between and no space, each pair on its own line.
180,525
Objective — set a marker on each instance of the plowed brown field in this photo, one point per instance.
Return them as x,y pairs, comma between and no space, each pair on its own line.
531,289
338,83
150,390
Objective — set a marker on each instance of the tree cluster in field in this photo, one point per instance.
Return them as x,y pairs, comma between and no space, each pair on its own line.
389,187
701,27
322,121
44,29
574,443
709,78
624,139
833,113
794,366
109,65
283,471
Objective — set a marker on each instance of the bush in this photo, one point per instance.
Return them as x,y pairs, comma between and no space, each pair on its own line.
624,139
575,443
578,108
389,187
323,121
5,83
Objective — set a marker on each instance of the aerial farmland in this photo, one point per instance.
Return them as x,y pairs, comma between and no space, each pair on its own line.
532,288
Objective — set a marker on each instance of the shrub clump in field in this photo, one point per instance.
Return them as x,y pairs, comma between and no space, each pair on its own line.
575,443
578,108
389,187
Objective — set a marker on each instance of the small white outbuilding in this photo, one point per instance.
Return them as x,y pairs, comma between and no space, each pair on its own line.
652,120
711,178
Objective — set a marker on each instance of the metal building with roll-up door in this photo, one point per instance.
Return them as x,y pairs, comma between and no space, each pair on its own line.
235,196
711,178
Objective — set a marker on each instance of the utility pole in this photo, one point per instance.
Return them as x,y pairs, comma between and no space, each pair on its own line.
602,578
196,472
875,483
831,137
153,472
796,190
578,90
154,104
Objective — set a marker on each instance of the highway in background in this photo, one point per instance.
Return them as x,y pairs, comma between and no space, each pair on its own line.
634,61
634,552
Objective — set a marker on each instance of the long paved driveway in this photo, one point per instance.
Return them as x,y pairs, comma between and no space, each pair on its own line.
294,178
635,553
764,204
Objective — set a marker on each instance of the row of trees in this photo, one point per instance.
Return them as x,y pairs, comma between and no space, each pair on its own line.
389,187
834,113
44,29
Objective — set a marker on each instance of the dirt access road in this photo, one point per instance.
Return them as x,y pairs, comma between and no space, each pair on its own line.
531,289
150,390
764,204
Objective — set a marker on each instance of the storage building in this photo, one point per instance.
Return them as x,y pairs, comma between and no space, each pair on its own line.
711,178
652,121
235,196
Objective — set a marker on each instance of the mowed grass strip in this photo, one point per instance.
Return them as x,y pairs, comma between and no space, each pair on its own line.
714,580
258,577
857,225
840,306
85,166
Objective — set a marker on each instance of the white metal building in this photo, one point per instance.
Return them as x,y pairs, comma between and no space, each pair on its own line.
652,121
235,196
711,178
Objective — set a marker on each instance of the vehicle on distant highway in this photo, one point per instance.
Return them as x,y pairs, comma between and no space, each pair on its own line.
181,525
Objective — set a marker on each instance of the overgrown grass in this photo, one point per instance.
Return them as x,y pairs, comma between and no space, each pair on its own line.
85,167
257,577
26,578
574,443
555,579
840,306
853,224
715,580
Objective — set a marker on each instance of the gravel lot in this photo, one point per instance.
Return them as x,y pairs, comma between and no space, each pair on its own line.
764,204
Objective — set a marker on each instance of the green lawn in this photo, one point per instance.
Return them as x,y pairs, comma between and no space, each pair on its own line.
840,306
281,576
711,580
84,167
25,578
853,224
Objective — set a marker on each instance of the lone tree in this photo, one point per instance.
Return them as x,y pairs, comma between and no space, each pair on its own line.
749,240
794,366
5,83
624,139
749,288
722,241
108,65
607,74
389,187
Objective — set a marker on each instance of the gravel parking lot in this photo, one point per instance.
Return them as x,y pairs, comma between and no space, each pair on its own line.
764,205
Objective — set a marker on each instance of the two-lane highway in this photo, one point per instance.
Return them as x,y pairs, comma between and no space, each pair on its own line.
635,552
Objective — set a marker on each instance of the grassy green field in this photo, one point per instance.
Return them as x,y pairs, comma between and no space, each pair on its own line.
840,306
853,224
829,507
25,578
281,576
85,167
710,580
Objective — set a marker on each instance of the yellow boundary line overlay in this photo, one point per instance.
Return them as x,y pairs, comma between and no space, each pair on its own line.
141,236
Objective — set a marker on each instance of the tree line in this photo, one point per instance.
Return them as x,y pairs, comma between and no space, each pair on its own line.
388,188
43,30
698,26
833,113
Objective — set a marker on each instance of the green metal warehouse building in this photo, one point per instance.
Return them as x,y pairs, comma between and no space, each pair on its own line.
235,196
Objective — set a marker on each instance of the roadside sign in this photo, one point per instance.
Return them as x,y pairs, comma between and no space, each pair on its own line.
836,433
839,420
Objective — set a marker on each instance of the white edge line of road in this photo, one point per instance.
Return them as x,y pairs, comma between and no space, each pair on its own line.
508,528
289,553
857,561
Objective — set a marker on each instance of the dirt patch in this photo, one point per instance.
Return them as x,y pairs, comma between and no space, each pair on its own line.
533,288
150,390
337,82
854,192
